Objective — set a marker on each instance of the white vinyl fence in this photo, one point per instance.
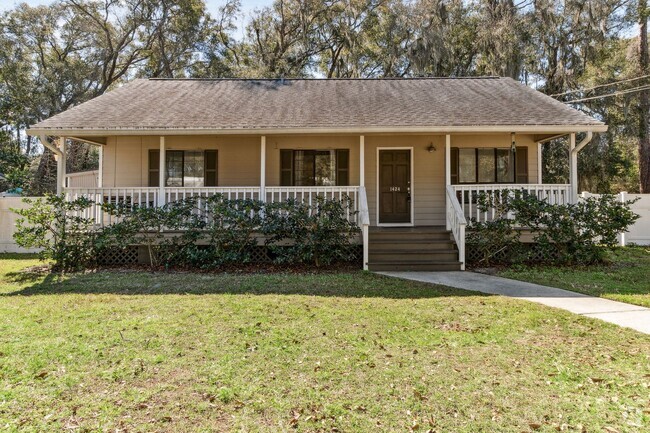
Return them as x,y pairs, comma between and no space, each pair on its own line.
639,233
8,224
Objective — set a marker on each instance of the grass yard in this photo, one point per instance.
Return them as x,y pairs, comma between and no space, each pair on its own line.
627,279
350,352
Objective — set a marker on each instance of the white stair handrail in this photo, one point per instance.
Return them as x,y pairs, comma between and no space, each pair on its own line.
457,223
364,223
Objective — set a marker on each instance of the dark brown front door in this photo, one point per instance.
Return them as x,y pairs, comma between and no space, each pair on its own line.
394,186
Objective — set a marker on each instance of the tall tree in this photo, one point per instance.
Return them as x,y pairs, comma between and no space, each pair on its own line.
500,39
282,39
644,101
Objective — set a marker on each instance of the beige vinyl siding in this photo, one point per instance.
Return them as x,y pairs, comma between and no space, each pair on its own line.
126,161
126,158
123,162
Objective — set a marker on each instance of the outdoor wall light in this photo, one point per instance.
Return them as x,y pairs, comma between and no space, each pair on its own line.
431,148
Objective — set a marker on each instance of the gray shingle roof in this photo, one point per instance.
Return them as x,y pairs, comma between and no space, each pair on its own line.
233,104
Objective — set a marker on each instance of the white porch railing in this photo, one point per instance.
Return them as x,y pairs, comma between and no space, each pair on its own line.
143,197
82,179
149,197
456,222
467,196
308,195
230,192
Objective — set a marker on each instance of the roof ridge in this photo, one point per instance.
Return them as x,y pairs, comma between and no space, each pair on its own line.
483,77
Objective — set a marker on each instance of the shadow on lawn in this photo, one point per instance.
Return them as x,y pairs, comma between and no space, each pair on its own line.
355,284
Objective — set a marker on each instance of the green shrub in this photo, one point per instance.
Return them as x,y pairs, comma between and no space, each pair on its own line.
566,234
169,232
230,231
494,241
55,226
576,233
181,233
318,234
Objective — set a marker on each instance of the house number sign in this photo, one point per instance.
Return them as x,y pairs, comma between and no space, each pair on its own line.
395,189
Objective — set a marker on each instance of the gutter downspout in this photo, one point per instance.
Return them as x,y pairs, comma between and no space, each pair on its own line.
574,165
59,161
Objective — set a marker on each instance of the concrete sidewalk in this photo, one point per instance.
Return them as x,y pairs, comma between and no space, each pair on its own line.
619,313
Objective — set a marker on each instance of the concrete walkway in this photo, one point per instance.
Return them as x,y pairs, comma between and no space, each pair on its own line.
619,313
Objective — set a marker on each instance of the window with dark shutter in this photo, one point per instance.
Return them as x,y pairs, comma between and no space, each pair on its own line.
488,165
185,168
211,159
286,167
454,165
343,167
522,165
154,167
314,167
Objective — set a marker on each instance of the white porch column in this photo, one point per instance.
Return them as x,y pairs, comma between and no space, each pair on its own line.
447,173
539,162
573,168
100,175
263,168
161,173
61,167
362,160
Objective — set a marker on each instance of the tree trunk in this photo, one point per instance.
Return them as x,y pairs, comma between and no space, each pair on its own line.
644,102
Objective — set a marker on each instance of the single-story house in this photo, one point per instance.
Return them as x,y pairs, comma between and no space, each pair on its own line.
412,153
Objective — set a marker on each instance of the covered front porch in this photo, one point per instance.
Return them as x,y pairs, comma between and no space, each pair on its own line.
431,190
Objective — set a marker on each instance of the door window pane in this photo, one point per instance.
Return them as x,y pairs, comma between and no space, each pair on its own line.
466,165
505,166
486,165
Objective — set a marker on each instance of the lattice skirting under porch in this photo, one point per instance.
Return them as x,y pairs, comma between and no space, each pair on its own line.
134,255
533,252
119,256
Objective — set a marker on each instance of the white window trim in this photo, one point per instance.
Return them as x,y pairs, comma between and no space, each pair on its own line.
409,224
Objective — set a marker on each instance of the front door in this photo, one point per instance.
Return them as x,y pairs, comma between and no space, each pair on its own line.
394,186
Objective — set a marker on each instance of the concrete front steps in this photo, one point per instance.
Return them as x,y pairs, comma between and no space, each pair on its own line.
428,248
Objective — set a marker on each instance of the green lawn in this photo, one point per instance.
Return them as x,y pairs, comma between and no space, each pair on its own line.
625,279
349,352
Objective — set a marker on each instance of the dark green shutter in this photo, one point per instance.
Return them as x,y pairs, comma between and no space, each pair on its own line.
154,167
454,165
286,167
521,165
210,161
343,167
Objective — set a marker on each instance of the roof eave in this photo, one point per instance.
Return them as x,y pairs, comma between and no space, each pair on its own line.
540,129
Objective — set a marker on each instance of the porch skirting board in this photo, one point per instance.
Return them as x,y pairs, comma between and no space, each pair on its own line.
139,255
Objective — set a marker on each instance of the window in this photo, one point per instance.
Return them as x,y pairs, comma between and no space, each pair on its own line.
184,168
489,165
314,167
467,165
